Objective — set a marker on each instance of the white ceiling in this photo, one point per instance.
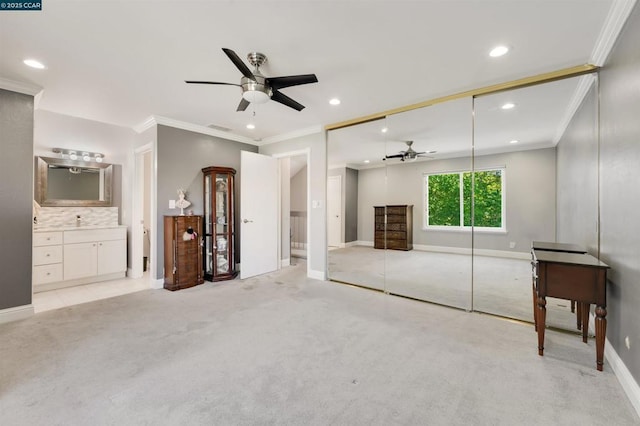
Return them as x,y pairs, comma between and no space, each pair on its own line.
120,62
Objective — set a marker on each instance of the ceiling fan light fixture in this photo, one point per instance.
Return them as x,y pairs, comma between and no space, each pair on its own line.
256,97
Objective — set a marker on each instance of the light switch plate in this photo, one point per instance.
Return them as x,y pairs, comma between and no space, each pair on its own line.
172,204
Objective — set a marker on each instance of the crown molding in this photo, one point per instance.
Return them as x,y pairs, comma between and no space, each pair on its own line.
291,135
164,121
20,87
618,15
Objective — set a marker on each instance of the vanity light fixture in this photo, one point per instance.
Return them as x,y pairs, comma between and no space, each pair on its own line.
72,154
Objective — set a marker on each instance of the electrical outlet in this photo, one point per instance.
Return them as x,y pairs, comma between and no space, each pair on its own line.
512,244
627,342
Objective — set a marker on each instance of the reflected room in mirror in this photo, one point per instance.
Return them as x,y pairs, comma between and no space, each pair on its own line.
61,182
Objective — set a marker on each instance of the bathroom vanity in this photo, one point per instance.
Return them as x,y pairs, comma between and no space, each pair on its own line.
64,257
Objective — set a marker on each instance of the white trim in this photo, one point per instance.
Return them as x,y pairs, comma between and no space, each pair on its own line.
316,275
129,273
157,284
363,243
291,135
38,288
629,385
352,244
618,15
158,120
16,313
285,262
584,84
20,87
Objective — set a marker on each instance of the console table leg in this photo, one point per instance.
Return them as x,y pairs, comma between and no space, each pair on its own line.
573,306
542,318
601,334
585,321
535,307
579,316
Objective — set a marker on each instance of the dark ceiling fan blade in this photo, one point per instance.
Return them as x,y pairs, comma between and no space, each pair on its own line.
292,80
210,82
394,156
244,69
285,100
243,104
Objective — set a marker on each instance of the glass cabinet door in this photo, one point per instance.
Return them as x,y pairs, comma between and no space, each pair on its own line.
219,227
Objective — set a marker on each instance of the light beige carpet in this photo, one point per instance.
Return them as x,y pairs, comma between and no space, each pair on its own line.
282,349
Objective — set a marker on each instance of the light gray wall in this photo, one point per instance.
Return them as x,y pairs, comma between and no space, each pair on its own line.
316,142
16,176
620,191
577,169
286,195
299,191
351,205
181,156
340,171
530,199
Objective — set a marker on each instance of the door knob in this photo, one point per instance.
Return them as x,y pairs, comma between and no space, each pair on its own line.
246,221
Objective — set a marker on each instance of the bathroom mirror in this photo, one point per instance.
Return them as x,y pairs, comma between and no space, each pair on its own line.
61,182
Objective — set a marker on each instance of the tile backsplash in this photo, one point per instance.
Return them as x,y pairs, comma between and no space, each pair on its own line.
68,216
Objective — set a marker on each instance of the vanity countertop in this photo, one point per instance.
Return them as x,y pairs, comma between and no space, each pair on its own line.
48,228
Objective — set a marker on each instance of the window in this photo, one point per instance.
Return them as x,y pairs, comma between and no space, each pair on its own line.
448,199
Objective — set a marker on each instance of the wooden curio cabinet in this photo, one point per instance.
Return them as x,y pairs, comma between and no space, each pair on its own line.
219,229
182,252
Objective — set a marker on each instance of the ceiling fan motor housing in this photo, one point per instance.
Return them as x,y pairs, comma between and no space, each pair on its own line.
255,91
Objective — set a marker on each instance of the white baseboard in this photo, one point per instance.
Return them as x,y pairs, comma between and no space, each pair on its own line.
316,275
37,288
630,386
157,284
461,250
628,383
285,262
16,313
351,244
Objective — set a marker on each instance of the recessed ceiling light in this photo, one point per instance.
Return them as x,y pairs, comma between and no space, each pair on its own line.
384,130
498,51
34,64
251,126
335,101
366,161
514,141
508,105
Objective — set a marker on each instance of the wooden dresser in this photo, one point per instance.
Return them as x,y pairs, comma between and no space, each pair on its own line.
396,232
182,252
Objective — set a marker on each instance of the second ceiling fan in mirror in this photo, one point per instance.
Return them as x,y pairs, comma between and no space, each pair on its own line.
256,88
409,154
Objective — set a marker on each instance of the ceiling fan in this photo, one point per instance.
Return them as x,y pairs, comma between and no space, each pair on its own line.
409,154
256,88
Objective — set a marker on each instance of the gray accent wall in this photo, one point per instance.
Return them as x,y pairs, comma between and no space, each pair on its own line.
181,156
620,191
16,179
530,199
298,185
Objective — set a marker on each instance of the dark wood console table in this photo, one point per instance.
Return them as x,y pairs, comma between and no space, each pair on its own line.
573,276
566,248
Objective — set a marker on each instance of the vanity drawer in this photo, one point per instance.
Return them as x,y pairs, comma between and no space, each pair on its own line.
47,238
46,255
47,273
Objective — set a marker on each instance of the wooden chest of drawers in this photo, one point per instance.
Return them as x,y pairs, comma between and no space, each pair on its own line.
393,227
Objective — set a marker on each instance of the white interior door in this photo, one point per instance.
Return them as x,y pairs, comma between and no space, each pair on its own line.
334,211
258,214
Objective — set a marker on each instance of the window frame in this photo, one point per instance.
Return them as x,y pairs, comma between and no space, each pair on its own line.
462,227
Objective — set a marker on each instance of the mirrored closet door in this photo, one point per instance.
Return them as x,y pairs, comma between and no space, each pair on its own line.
535,179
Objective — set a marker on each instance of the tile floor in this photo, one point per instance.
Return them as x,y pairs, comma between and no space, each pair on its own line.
56,299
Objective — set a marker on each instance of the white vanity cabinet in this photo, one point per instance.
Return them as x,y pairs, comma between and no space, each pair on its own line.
82,255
